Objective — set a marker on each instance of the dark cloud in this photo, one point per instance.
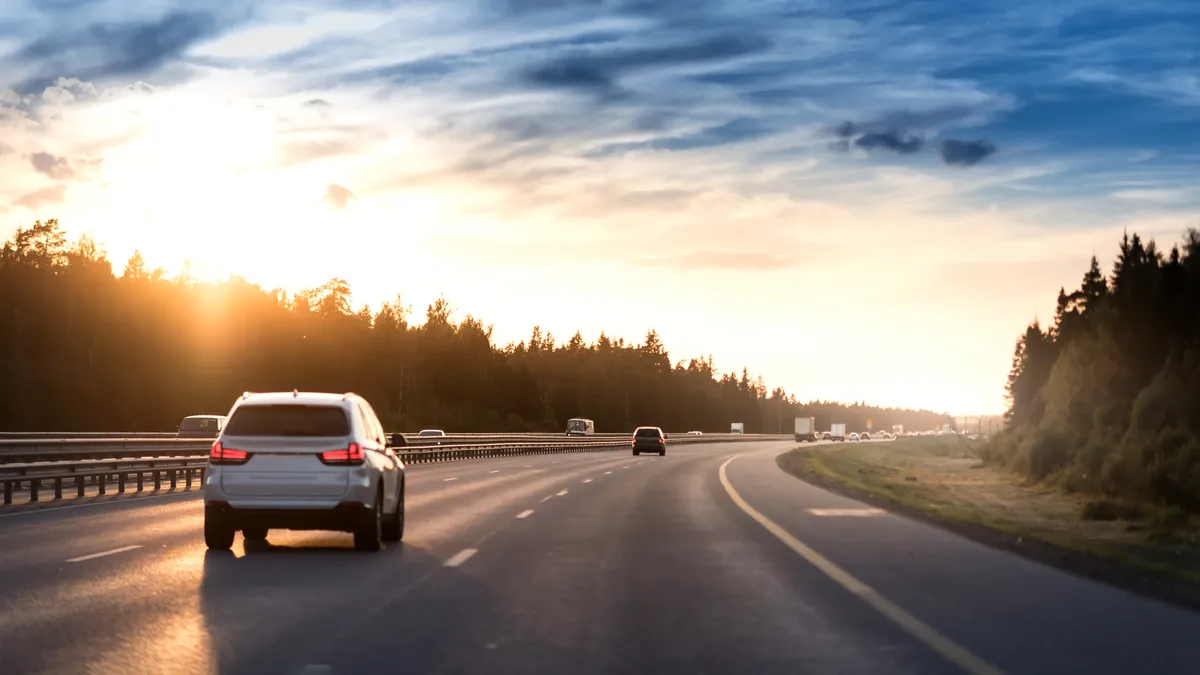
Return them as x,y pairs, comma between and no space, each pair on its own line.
55,167
128,49
965,153
317,103
599,70
51,195
711,259
891,140
339,197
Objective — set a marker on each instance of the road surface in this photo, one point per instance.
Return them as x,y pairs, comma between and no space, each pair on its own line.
581,564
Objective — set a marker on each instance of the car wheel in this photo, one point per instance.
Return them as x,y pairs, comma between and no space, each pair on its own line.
369,535
254,533
636,453
393,527
662,453
217,535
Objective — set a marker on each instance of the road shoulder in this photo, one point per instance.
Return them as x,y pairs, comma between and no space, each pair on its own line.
1162,586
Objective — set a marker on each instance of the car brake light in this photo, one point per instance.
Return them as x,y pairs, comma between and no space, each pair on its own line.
351,454
661,440
222,455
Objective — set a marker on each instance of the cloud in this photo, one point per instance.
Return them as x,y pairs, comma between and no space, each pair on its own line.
106,50
317,103
55,167
600,69
965,153
720,260
51,195
891,140
339,197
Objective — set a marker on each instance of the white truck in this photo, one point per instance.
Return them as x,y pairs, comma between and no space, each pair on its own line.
837,432
806,429
737,427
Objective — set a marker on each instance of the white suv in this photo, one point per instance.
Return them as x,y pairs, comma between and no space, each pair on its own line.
303,461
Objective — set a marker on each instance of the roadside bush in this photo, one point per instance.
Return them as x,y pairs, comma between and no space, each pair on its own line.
1047,450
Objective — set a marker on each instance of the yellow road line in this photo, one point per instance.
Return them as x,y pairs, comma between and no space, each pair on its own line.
939,643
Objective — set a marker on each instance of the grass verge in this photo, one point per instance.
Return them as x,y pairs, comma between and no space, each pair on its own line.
1142,548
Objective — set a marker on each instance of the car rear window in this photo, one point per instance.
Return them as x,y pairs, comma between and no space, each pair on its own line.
198,424
653,433
288,420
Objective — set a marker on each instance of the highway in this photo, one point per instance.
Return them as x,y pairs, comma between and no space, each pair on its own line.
577,563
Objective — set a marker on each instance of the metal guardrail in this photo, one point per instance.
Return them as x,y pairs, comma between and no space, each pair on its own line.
103,472
123,447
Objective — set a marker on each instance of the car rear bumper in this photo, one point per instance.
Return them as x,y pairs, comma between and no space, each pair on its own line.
344,517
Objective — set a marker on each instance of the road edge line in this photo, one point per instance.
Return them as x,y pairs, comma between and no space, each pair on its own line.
926,634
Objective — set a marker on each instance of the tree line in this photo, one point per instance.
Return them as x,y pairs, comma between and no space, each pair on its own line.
1106,400
83,349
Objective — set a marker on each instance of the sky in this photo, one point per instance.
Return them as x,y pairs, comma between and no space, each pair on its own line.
861,200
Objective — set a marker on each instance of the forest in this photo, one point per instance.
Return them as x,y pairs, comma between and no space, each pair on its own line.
1106,399
85,349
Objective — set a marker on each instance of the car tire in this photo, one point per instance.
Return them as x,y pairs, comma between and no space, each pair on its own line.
255,533
369,534
662,453
217,535
636,453
393,526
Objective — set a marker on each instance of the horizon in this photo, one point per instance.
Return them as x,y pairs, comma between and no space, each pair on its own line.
857,205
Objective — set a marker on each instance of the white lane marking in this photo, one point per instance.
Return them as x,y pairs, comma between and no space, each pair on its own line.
625,467
546,499
528,466
525,514
554,462
496,471
847,512
101,555
586,480
950,650
447,480
561,493
195,494
607,472
461,557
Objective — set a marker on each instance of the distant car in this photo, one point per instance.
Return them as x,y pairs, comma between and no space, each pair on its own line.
303,461
649,439
853,437
826,436
432,433
695,433
865,436
201,426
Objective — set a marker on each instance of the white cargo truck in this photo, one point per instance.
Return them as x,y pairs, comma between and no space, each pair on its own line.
806,429
737,427
837,432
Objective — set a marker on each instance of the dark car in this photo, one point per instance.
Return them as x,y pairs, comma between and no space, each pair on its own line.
649,439
201,426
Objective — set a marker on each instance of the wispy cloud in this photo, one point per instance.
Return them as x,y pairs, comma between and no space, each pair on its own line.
43,197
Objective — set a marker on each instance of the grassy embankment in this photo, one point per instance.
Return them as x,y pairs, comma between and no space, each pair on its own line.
941,479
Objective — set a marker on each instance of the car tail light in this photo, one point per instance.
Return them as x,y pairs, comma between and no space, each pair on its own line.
351,454
220,454
661,440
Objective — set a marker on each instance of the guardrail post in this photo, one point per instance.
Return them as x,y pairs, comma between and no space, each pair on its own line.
80,485
139,481
58,488
8,492
121,483
157,480
33,489
174,478
189,478
102,482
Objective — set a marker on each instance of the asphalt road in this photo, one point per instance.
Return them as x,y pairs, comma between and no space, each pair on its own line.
580,564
